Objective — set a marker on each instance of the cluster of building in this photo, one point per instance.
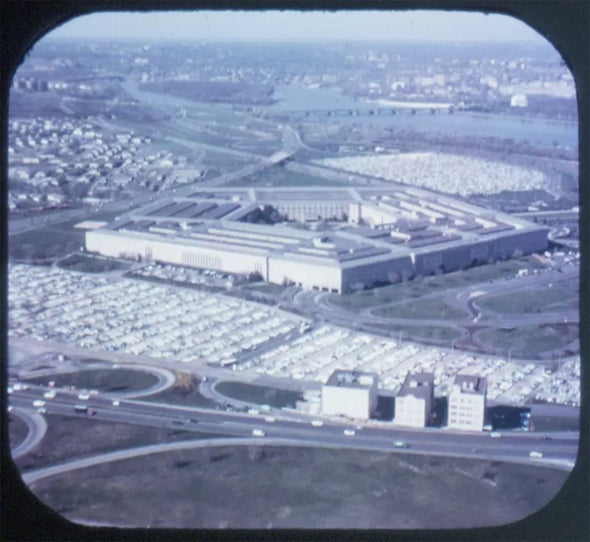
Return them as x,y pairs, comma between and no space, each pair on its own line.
449,173
59,161
354,394
386,236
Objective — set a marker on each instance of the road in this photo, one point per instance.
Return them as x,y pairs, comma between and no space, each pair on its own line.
317,305
37,429
560,451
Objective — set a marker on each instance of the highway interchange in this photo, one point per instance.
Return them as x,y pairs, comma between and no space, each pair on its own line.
285,427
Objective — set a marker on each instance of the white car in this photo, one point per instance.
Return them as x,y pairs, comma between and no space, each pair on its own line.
535,455
253,411
84,397
400,444
116,402
349,432
42,410
9,390
38,403
49,394
495,434
317,423
270,419
258,433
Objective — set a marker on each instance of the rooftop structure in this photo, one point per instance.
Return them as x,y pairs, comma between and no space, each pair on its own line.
375,236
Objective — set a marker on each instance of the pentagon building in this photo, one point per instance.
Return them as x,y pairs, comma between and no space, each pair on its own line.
367,235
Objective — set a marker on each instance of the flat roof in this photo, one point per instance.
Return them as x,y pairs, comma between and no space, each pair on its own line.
341,378
470,384
418,385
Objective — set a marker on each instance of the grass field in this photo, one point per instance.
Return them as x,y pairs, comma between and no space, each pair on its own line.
179,396
91,264
426,308
266,288
284,487
73,437
530,342
17,430
423,286
262,395
44,244
562,296
278,177
104,380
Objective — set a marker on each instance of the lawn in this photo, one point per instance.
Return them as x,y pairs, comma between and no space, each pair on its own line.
262,395
279,177
91,264
426,285
296,487
46,244
529,342
76,436
104,380
422,309
562,296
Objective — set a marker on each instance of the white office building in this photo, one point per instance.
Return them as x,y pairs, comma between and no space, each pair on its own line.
413,405
350,393
467,403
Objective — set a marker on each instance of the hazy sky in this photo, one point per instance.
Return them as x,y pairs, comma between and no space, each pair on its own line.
295,26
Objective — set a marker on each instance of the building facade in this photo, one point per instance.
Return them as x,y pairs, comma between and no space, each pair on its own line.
467,403
413,404
352,394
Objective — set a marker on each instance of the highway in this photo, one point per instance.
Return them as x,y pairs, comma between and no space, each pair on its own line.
558,451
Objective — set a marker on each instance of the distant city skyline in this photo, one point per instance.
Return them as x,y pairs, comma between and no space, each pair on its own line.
430,26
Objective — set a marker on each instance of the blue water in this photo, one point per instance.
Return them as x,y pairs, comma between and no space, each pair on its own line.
293,98
540,131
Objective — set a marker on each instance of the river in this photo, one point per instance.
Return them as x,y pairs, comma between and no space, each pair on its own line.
534,130
298,98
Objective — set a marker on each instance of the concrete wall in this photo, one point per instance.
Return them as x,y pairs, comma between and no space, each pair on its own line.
119,244
350,402
306,274
368,274
466,411
411,411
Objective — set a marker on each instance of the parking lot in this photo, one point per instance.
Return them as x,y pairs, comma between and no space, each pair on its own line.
197,327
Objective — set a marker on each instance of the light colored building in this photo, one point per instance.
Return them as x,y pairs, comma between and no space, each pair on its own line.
386,237
467,403
519,100
350,393
413,404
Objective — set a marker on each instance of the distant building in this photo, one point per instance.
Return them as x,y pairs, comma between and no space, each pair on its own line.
467,403
350,393
519,100
413,405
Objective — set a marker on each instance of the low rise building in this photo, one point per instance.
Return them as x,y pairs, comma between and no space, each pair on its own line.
413,405
467,403
350,393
